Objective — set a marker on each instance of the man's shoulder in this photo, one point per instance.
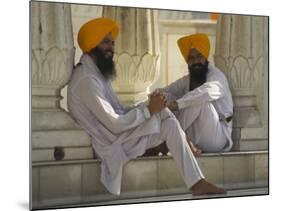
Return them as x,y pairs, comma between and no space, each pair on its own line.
80,75
77,73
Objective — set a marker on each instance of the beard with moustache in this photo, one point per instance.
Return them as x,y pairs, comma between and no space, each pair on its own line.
198,74
105,64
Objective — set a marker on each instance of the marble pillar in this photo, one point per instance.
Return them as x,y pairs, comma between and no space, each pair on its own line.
136,52
242,53
52,60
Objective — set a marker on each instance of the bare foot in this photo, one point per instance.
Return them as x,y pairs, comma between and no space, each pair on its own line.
195,150
203,187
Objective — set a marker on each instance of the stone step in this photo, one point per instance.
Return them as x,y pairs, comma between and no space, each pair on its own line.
245,145
78,181
248,117
65,153
250,139
41,119
62,138
176,197
244,99
75,144
253,144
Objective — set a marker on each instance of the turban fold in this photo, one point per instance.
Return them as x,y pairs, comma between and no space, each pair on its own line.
198,41
94,31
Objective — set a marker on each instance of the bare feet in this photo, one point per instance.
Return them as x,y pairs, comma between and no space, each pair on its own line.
203,187
195,150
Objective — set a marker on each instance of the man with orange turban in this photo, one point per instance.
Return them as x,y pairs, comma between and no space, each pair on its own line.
202,100
119,133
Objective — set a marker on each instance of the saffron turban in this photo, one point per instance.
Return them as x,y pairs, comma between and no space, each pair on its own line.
198,41
94,31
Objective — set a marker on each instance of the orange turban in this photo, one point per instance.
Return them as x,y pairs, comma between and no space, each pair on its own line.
94,31
198,41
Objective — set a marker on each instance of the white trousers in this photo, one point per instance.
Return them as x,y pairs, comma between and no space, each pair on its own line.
175,138
202,125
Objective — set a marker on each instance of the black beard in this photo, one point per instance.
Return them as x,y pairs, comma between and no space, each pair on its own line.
198,72
105,65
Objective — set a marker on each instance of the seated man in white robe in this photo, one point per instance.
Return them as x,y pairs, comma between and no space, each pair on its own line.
202,99
118,133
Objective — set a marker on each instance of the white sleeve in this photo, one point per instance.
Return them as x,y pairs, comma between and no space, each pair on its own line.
176,89
91,95
209,91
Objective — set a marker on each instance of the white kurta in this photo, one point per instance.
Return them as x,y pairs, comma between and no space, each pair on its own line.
214,95
119,134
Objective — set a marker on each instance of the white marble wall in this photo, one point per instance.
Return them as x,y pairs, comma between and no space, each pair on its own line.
242,53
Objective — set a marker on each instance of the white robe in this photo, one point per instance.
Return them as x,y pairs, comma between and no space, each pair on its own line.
215,91
118,134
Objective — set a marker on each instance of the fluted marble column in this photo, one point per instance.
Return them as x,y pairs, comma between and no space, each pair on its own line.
52,53
136,52
52,60
242,53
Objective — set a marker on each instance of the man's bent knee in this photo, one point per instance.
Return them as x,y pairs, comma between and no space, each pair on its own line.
203,106
169,124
